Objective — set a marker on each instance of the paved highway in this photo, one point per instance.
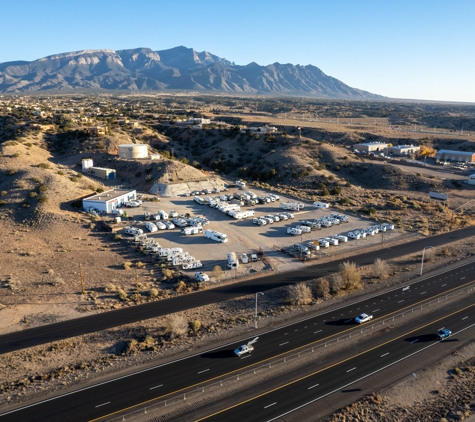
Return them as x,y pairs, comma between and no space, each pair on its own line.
284,400
150,384
59,331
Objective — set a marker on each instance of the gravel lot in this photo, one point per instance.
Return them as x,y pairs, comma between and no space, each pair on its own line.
246,237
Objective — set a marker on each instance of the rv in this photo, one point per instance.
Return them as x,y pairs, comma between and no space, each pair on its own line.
214,235
191,230
294,206
232,261
151,227
198,200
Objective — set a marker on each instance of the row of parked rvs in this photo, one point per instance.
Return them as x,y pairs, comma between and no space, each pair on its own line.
370,231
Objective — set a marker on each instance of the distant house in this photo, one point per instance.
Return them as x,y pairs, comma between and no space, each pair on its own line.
199,120
97,130
457,156
401,150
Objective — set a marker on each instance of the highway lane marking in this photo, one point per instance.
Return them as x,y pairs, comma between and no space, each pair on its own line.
333,365
352,369
384,355
203,371
269,405
245,357
283,343
348,320
161,385
464,318
319,331
443,285
423,293
462,278
313,386
415,340
305,326
376,310
103,404
401,301
406,288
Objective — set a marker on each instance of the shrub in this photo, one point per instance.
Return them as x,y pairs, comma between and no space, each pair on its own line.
42,199
181,286
140,264
11,172
3,193
61,172
195,326
16,155
299,294
321,288
127,265
2,202
176,326
118,237
381,269
336,283
153,292
350,276
122,295
44,166
42,188
111,288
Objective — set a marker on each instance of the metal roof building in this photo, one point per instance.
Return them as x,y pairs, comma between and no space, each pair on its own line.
458,156
109,200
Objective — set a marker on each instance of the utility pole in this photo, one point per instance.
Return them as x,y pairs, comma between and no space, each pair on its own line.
83,291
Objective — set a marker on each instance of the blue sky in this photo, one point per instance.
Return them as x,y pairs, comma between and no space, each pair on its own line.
418,49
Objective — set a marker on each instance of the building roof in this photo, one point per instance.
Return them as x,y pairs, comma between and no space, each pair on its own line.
447,151
405,146
370,144
100,168
132,145
109,195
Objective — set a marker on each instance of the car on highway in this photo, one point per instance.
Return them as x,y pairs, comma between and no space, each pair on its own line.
245,348
443,333
363,318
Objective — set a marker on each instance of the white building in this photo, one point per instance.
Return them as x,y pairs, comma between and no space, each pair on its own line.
403,150
199,120
109,200
370,147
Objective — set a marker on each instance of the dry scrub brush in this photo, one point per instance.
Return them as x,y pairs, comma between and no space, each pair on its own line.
299,294
321,288
350,276
176,326
381,269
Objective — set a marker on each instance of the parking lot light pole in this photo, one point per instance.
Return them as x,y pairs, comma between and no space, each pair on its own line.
423,252
255,318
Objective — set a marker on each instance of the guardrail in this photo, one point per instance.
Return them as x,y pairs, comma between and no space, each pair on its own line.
321,345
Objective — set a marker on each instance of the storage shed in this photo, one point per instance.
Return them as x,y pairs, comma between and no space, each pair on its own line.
109,200
103,173
455,156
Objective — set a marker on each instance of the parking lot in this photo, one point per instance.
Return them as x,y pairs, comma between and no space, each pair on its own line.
245,237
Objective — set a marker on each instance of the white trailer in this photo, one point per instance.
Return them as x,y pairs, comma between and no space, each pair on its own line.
217,236
191,230
151,227
232,260
304,229
294,231
294,206
198,200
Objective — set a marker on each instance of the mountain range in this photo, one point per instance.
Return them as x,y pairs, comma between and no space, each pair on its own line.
179,68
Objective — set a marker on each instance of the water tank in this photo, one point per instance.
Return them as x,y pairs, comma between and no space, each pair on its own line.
133,151
86,163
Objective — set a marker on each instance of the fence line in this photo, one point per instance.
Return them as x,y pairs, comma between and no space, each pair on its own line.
369,328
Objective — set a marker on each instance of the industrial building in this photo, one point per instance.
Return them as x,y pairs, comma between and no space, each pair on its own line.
370,147
133,151
401,150
110,200
455,156
101,172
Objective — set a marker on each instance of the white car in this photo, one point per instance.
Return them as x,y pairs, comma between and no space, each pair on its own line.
161,225
363,318
245,348
201,277
131,204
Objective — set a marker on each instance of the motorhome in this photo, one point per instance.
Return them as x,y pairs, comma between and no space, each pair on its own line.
191,230
214,235
232,260
151,227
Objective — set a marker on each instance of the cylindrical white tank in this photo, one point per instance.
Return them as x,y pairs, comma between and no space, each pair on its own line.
86,163
133,151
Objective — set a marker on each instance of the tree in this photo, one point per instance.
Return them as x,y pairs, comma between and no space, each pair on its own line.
381,269
336,190
336,283
350,276
321,288
299,294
